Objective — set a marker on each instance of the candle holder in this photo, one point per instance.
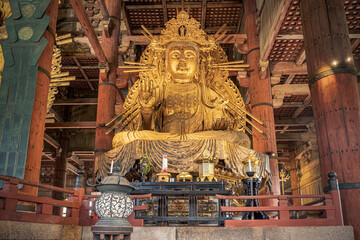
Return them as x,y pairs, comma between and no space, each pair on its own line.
252,185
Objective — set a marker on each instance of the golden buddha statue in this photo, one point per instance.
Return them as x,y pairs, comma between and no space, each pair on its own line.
182,104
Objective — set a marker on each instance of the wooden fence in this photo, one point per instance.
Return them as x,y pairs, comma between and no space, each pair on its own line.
79,206
332,213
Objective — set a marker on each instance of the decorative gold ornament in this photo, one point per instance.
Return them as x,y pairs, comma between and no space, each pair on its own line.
28,10
284,176
58,78
5,12
184,176
25,33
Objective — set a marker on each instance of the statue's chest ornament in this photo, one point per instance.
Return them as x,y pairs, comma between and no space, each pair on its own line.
183,103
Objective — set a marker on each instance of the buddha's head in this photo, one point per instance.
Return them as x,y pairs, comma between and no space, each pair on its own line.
182,61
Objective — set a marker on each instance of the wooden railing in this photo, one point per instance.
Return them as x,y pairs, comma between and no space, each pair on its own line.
331,208
79,206
10,198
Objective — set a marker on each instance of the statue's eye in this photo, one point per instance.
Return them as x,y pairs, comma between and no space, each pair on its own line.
189,54
175,54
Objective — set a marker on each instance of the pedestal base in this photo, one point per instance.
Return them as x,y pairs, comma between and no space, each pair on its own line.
111,232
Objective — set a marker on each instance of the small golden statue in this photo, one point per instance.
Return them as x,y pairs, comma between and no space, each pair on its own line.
182,104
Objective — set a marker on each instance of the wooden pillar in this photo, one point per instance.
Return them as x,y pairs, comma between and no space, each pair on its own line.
107,82
261,99
37,127
335,98
294,179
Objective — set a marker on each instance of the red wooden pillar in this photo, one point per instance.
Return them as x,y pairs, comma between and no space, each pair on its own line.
335,98
261,99
37,127
107,82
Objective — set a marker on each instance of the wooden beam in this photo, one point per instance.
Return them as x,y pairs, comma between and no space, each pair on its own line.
299,36
303,121
71,168
203,13
66,67
164,7
355,44
301,58
295,104
290,137
158,30
83,73
56,115
223,4
51,141
229,38
289,68
75,101
88,29
274,29
301,109
289,79
71,125
76,159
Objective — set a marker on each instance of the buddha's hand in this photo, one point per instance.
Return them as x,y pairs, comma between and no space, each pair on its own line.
147,96
221,124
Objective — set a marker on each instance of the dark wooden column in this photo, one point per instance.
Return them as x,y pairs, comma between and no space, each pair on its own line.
335,98
261,98
60,164
37,127
107,82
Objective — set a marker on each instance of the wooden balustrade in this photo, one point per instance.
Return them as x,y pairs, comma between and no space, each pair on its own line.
331,208
78,206
10,198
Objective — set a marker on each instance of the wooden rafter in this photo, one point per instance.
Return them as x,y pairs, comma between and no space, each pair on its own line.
83,73
229,38
69,125
289,79
88,29
203,13
224,4
302,121
275,28
75,101
51,141
301,109
289,68
301,58
164,8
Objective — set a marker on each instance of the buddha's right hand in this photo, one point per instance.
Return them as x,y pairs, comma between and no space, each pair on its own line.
147,96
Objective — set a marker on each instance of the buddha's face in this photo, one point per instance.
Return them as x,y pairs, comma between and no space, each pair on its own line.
182,61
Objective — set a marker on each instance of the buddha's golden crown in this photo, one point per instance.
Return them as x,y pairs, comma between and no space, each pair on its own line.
184,29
